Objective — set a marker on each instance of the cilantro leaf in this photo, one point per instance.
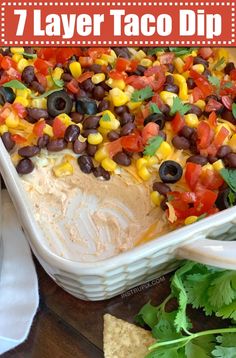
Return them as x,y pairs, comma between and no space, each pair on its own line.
147,315
142,94
15,84
153,51
234,109
181,51
227,85
193,350
46,94
106,118
228,311
165,326
29,55
226,339
219,63
231,198
214,81
152,146
154,109
229,176
178,106
196,287
224,352
223,289
57,82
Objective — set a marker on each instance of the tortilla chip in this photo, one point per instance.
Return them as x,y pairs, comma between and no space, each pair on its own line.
122,339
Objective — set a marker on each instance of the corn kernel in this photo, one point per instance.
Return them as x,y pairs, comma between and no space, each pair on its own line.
144,173
17,57
100,61
17,50
109,164
140,163
12,121
109,58
156,63
98,77
48,130
194,53
199,68
207,167
151,161
200,104
3,129
118,97
22,64
40,103
101,154
109,113
167,97
156,198
146,62
222,52
63,169
133,105
190,220
163,151
65,119
232,143
191,120
183,88
23,92
113,124
57,73
50,82
116,83
185,74
95,138
179,64
218,165
104,132
75,69
140,55
113,54
22,100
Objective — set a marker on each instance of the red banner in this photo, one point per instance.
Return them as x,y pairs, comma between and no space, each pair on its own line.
128,23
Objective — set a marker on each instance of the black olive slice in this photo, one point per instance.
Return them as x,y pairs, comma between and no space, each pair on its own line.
6,95
86,105
157,118
222,201
59,102
170,171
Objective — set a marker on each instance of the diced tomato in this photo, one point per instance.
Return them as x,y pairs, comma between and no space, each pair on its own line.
166,58
42,66
159,78
63,54
114,147
205,52
41,79
132,142
138,82
205,201
85,76
205,135
150,130
192,174
211,179
116,75
73,86
18,139
197,94
177,123
97,52
220,137
202,83
227,102
19,109
213,105
212,119
47,53
188,63
85,61
133,65
39,127
157,99
122,64
233,75
58,128
8,63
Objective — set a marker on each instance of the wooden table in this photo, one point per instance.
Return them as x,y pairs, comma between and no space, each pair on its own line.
66,327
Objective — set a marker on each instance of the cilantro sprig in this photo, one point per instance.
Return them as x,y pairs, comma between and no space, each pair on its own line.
213,290
219,63
229,176
14,84
152,146
178,106
154,108
142,94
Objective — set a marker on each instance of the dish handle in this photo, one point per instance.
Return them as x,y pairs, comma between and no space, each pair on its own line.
210,252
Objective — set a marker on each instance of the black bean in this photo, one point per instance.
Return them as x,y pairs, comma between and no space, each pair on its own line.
59,102
25,166
228,116
222,201
165,109
169,79
198,159
156,118
120,110
230,160
67,77
28,75
162,188
98,93
163,205
76,117
8,142
85,163
37,87
56,145
91,149
171,88
122,52
103,105
43,141
186,132
212,159
199,60
86,132
223,151
141,69
87,85
190,83
28,151
162,135
101,172
104,86
113,135
229,67
170,171
195,110
6,95
170,67
72,132
91,122
180,142
79,147
127,129
36,113
122,158
95,68
86,105
126,117
206,73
